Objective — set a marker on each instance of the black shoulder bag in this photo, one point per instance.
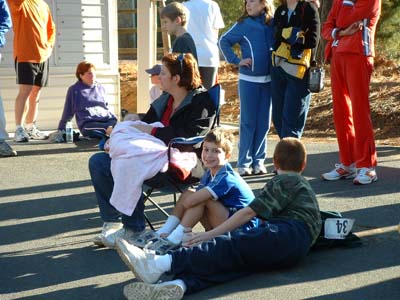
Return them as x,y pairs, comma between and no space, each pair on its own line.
316,74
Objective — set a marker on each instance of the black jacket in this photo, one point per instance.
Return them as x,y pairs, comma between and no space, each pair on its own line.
305,17
194,116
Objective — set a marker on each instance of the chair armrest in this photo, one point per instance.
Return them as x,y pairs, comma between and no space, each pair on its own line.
186,141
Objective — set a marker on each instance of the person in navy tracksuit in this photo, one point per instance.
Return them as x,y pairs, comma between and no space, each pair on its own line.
254,34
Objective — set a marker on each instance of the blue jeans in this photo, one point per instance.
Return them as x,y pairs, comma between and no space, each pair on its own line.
277,244
97,129
290,103
255,119
103,183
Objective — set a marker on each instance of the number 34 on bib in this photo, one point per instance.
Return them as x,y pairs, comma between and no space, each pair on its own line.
338,228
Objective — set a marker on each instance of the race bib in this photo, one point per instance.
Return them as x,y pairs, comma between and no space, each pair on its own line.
338,229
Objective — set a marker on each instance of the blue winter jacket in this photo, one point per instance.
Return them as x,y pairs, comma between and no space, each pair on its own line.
255,39
5,21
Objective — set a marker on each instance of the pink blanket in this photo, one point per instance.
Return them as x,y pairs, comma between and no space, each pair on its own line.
135,157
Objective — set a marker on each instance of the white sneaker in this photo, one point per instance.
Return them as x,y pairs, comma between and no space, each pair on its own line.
110,235
340,171
365,176
21,136
35,134
144,291
259,170
244,171
97,241
140,262
6,150
108,228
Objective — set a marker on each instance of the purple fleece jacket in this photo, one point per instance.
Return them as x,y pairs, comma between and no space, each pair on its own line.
87,103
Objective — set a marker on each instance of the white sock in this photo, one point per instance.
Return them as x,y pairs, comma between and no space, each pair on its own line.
176,235
19,126
179,282
163,262
29,126
169,225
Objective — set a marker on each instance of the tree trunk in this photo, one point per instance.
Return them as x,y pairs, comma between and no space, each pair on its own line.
323,13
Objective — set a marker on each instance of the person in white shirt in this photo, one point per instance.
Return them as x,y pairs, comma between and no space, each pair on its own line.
155,90
204,22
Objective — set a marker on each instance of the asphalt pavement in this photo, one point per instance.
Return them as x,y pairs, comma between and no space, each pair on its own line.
48,216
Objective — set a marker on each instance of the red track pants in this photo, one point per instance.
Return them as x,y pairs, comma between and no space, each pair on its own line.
350,78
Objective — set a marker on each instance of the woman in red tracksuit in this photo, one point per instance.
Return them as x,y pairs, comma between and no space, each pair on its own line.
350,30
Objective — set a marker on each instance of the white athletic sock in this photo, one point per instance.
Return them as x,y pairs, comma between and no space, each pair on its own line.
176,235
29,126
179,282
163,262
169,225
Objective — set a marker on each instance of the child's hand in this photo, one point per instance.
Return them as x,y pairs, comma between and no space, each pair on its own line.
198,238
109,130
246,62
107,146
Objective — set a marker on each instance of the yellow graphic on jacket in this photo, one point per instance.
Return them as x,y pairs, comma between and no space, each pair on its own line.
296,59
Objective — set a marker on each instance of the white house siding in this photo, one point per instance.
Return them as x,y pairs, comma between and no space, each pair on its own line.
86,30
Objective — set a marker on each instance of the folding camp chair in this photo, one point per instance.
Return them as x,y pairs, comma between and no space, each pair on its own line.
167,182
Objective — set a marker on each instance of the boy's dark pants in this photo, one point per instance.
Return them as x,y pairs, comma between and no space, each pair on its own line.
279,243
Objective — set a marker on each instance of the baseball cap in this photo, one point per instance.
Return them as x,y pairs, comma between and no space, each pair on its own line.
155,70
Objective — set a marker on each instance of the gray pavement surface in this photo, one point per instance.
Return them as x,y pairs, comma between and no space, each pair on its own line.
48,216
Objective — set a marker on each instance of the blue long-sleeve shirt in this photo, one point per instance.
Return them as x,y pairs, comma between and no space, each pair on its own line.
87,103
255,39
5,21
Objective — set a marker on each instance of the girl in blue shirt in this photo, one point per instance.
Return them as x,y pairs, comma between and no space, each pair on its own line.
254,34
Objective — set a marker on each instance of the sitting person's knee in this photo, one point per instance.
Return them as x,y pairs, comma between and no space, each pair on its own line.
98,160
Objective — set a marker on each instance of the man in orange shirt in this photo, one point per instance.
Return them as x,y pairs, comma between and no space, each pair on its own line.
34,37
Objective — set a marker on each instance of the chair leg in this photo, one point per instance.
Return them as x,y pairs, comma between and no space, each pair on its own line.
147,197
148,222
158,206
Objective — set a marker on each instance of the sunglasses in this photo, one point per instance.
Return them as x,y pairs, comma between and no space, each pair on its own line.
180,59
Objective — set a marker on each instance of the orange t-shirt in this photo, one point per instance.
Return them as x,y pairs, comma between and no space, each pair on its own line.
34,30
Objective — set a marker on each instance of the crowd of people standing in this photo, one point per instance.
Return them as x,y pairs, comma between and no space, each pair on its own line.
275,54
